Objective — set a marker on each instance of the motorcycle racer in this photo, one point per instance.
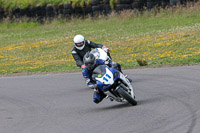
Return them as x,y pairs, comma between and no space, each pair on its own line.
90,64
82,46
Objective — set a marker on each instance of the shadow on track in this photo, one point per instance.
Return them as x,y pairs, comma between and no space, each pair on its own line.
149,100
110,108
118,106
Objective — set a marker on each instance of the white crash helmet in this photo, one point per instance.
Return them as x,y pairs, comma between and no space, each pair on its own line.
79,42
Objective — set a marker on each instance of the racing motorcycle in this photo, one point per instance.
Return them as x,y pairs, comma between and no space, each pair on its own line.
114,84
111,81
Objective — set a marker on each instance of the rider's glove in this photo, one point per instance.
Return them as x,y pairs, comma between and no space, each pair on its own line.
83,66
106,62
91,85
105,49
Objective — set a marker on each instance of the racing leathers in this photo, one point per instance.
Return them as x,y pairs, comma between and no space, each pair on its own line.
79,54
98,95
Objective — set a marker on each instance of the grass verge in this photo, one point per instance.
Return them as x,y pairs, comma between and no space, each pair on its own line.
156,38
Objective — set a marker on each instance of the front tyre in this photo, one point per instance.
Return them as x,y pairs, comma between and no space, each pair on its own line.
126,96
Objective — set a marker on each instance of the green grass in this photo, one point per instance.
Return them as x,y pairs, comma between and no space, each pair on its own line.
9,4
171,37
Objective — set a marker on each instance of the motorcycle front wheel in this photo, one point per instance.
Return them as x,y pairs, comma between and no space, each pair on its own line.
126,96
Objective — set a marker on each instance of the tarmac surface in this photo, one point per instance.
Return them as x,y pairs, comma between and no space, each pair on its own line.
168,102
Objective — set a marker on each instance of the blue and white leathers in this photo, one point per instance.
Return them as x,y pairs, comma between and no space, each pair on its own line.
87,74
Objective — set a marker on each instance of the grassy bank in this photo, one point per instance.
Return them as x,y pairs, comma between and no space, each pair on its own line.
171,37
10,4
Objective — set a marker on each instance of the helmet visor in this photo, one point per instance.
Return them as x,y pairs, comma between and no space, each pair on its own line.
90,65
79,44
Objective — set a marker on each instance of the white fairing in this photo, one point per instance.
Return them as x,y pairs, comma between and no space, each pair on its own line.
101,54
126,81
107,78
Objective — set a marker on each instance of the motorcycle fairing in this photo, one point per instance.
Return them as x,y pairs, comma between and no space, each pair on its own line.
100,54
105,76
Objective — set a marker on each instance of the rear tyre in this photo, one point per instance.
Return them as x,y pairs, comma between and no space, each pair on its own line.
127,96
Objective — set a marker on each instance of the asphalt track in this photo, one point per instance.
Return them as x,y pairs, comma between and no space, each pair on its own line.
168,102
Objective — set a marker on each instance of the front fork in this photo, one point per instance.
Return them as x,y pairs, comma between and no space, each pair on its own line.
127,82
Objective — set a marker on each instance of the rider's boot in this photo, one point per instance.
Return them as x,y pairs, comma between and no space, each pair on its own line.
98,96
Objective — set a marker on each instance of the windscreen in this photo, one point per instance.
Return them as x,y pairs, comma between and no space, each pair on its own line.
96,53
99,71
